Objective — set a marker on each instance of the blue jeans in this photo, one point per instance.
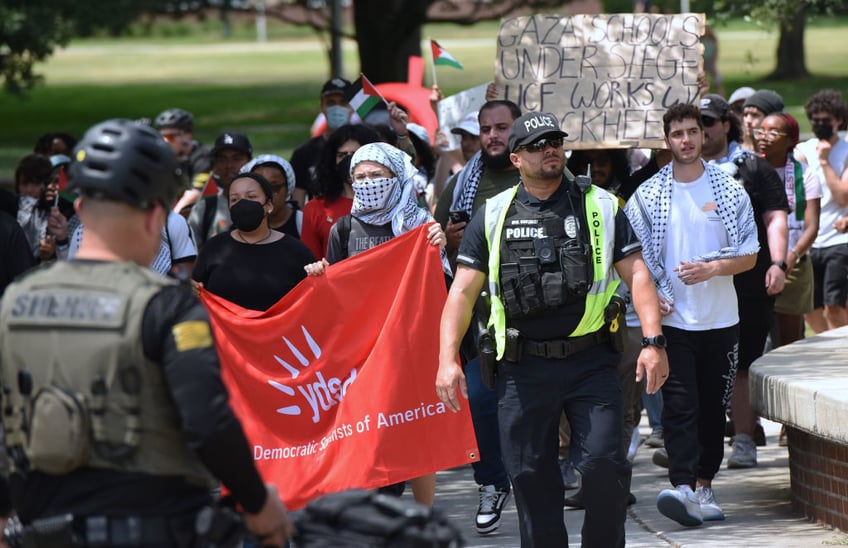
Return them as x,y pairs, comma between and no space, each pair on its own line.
483,402
653,404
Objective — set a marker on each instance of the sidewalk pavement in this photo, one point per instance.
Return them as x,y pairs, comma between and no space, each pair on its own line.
756,502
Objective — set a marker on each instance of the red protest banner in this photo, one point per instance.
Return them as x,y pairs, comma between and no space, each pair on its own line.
335,384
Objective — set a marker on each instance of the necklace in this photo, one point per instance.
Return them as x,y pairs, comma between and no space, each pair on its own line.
242,238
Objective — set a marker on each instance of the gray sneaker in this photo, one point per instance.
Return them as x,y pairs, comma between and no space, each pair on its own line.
710,510
655,440
660,457
744,452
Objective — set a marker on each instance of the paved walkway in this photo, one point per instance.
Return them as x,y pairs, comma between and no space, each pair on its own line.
756,502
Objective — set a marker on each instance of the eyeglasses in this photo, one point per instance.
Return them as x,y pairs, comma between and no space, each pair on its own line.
542,144
771,134
708,121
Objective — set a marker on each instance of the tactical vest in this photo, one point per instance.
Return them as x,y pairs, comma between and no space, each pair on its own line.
560,274
74,373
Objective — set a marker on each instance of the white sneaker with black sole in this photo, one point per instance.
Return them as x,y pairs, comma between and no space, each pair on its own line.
492,501
681,505
710,510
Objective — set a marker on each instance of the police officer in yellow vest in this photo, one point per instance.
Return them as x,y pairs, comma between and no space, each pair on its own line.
115,417
554,250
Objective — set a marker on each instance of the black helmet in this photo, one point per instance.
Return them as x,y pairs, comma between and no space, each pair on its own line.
175,117
126,162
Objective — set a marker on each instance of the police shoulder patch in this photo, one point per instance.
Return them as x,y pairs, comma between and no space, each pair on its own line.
191,335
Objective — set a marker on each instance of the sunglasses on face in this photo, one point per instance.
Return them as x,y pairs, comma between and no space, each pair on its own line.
542,144
707,121
770,134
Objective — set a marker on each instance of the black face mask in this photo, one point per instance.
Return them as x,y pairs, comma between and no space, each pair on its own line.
823,131
247,215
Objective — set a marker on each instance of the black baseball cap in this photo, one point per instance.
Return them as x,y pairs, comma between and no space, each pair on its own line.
532,126
334,85
233,140
714,106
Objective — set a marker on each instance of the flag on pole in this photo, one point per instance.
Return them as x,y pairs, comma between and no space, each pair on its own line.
442,58
363,96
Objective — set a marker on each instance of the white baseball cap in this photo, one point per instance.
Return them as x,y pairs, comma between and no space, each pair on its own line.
469,124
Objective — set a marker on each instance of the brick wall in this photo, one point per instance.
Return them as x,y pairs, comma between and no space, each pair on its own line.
818,471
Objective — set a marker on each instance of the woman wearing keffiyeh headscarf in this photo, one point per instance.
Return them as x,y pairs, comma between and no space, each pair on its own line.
384,206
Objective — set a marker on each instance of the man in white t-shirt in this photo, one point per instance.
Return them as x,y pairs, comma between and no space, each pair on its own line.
697,229
176,254
827,156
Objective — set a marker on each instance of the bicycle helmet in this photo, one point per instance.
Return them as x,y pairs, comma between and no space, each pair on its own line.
175,117
126,162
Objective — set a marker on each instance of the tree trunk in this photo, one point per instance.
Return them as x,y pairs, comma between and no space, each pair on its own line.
791,64
388,32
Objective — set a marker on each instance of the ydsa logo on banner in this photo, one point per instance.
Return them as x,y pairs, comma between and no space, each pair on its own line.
316,397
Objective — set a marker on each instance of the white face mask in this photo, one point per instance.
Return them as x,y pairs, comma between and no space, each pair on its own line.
337,116
374,194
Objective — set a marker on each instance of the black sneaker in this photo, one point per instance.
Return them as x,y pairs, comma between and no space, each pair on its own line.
492,501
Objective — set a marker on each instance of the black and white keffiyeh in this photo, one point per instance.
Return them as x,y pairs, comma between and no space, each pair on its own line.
648,213
467,181
396,196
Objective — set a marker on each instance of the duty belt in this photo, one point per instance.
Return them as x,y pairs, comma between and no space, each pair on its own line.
102,531
563,348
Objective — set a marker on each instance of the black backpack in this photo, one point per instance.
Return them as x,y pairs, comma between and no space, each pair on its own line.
367,519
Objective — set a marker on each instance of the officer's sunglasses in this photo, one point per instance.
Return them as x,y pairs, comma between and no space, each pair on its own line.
542,144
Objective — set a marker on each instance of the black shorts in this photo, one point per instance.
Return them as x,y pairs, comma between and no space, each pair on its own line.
755,319
830,275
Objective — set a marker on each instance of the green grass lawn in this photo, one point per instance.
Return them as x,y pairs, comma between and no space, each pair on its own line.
269,90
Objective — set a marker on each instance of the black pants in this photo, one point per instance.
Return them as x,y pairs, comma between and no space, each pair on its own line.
531,397
702,371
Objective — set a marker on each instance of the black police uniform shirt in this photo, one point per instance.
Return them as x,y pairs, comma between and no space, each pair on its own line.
211,428
559,323
764,187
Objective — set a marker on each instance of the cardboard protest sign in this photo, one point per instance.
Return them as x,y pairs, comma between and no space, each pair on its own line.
454,108
609,77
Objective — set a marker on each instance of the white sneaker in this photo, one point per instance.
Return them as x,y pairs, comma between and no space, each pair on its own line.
744,453
492,501
710,510
681,505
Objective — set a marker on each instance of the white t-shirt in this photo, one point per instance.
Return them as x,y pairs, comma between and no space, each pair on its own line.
695,228
176,242
828,236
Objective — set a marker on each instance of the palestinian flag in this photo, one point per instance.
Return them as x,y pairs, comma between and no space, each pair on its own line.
363,96
442,58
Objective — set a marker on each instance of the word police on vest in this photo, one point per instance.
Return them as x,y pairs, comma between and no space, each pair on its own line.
532,126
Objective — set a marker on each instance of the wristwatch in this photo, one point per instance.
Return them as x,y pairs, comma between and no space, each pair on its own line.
657,340
781,265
